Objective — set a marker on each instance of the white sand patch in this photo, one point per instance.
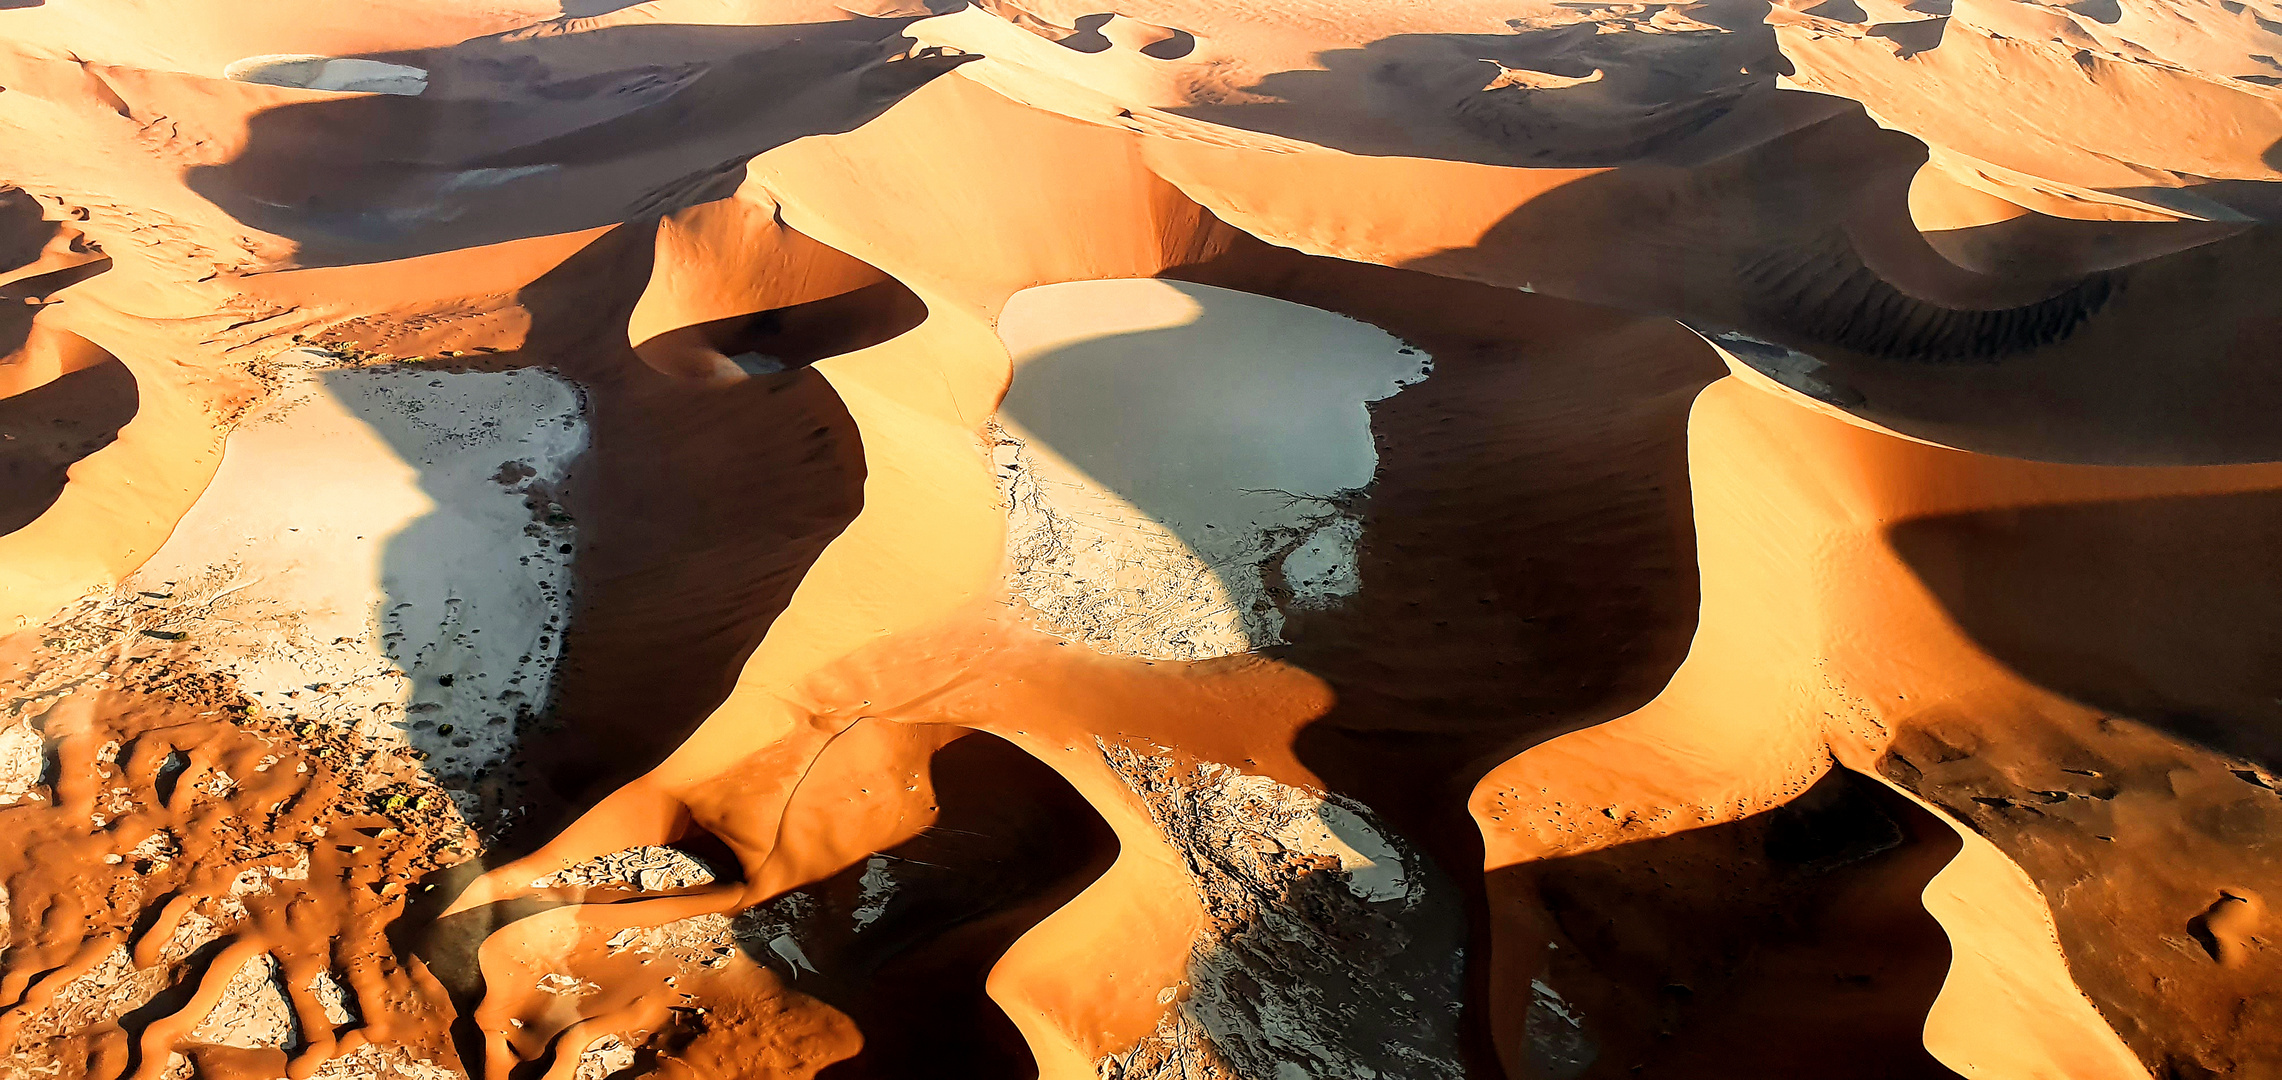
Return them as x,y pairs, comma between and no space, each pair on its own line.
648,868
379,552
1558,1045
876,887
477,179
571,986
23,762
334,999
1279,871
254,1011
790,952
1165,447
1374,870
777,927
340,74
1322,570
604,1057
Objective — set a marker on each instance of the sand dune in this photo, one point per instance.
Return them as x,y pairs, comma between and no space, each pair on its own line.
1306,538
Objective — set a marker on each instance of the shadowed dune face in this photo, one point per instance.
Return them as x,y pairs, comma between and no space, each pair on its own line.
1505,477
924,921
525,135
704,507
38,257
1843,960
2159,617
46,427
1591,93
62,397
792,336
23,230
2039,737
735,293
2155,629
758,537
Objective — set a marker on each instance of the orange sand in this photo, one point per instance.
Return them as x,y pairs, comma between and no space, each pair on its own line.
1812,617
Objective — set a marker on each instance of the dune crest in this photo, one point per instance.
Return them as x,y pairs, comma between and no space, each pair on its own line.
1324,538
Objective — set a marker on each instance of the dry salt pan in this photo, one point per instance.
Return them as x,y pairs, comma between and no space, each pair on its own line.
348,75
379,552
1177,460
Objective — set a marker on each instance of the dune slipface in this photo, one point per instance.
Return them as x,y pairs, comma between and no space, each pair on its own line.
1197,541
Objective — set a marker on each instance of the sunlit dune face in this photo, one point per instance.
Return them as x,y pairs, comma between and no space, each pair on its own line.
1273,540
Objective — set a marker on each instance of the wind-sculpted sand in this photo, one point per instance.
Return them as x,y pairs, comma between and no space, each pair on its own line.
1192,541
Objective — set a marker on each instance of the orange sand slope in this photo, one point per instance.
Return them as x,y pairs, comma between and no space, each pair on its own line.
1192,541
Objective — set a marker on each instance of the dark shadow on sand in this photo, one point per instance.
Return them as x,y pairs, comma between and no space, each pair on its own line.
1013,844
1771,946
44,431
2158,610
514,139
696,509
1528,558
796,336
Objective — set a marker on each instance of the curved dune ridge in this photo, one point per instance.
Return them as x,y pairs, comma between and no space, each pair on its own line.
1191,541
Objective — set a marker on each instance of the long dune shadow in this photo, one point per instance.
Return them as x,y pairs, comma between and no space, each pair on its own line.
794,336
903,942
699,510
1012,843
1772,946
60,393
2159,609
1588,94
24,230
15,334
695,509
520,136
2143,796
1527,564
49,427
582,9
